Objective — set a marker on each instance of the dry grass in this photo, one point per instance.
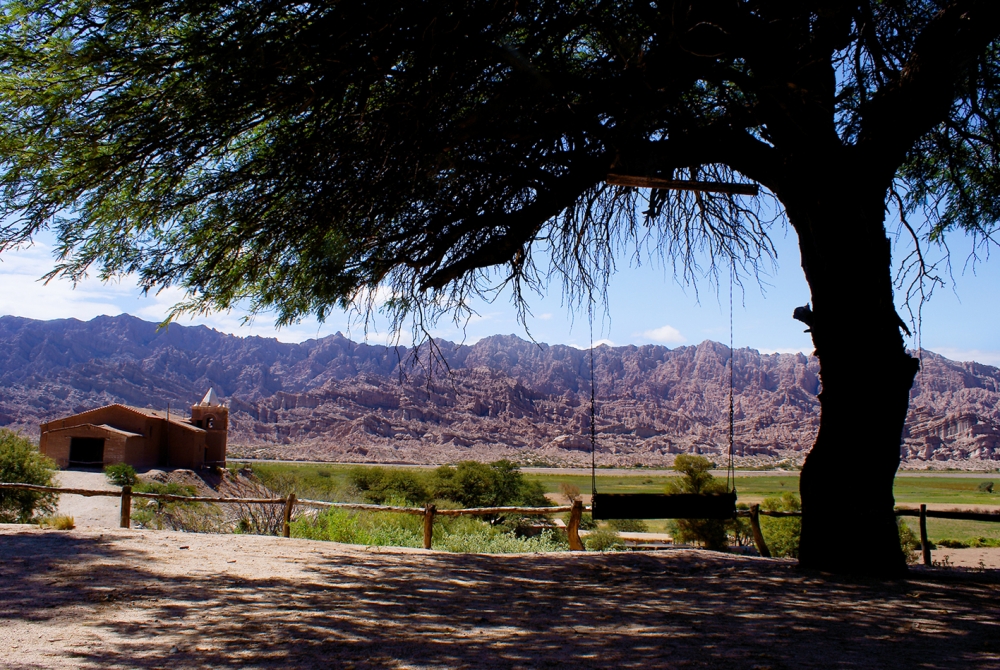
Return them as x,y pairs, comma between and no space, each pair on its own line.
58,522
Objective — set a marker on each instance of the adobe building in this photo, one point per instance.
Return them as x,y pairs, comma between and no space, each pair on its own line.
143,438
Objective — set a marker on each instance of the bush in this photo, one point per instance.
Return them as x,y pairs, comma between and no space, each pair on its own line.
986,487
710,533
378,485
60,522
628,525
21,463
908,541
120,474
497,484
175,515
975,542
458,534
782,533
604,540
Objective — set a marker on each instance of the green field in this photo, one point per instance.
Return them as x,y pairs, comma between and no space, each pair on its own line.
330,482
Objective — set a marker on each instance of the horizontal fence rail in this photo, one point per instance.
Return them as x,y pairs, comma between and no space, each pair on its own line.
430,511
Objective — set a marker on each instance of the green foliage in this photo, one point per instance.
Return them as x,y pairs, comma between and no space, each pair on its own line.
175,515
696,476
586,521
628,525
378,485
986,487
908,541
120,474
976,542
367,528
604,540
21,463
458,534
497,484
710,533
782,533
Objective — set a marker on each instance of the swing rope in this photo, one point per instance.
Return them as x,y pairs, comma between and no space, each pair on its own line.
593,410
731,467
731,470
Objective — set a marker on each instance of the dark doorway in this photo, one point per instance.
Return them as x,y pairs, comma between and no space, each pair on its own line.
86,451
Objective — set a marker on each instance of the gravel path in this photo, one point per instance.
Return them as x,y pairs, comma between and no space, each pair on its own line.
88,512
145,599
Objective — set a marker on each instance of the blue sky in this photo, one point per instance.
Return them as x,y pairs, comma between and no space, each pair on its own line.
645,305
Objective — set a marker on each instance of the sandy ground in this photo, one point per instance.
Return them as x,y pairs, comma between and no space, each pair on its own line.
88,512
145,599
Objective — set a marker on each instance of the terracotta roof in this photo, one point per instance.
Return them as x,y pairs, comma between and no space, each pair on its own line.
102,426
176,418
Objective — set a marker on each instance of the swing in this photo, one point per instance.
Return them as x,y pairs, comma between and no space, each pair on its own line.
605,506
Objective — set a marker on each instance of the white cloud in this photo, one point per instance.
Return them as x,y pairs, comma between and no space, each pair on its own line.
782,350
666,334
545,317
597,343
977,355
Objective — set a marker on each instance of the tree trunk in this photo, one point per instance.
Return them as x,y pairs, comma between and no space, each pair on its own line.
848,524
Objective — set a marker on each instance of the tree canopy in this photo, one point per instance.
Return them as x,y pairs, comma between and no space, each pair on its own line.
305,156
298,154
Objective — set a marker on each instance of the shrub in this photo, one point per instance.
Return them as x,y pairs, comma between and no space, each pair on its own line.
986,487
378,485
782,533
952,544
628,525
710,533
175,515
60,522
497,484
458,534
367,528
586,521
604,540
570,491
120,474
21,463
908,541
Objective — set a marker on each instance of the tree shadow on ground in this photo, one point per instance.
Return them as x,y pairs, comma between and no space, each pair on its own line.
379,609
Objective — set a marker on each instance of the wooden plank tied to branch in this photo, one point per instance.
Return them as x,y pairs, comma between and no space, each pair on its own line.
636,181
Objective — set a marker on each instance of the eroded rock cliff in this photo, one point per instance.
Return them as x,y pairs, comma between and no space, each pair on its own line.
334,399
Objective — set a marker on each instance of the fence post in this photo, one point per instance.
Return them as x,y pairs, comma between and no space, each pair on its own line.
925,546
758,536
126,519
429,512
573,529
286,530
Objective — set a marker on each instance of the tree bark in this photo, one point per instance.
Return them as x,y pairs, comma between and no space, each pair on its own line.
848,523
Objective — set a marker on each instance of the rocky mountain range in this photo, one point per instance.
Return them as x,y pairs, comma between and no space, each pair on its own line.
502,397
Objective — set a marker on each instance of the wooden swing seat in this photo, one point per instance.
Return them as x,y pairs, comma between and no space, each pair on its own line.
664,506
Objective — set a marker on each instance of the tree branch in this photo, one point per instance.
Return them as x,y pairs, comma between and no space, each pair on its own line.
901,113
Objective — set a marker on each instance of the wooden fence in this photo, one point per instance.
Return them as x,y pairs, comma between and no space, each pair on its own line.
429,512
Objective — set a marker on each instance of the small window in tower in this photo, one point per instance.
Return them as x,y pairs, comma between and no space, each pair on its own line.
210,422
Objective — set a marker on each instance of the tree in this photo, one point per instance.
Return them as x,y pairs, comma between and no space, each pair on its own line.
696,478
497,484
21,463
305,156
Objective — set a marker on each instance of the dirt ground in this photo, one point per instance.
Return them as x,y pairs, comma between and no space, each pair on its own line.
97,512
151,599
